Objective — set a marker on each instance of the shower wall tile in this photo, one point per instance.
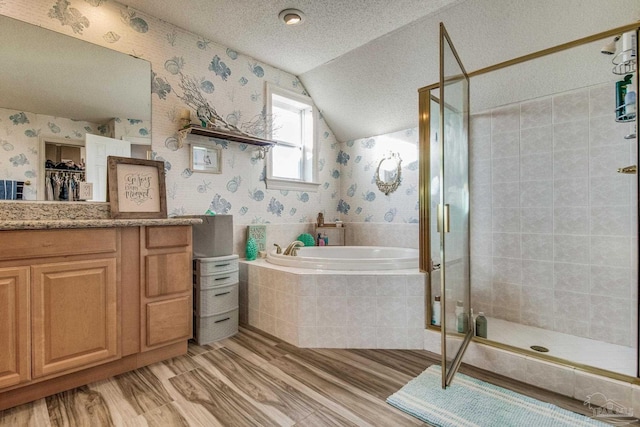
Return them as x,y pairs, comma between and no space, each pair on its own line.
571,106
536,193
611,251
507,169
480,172
551,219
506,220
537,247
535,113
610,191
507,270
571,305
506,245
480,147
605,161
505,119
536,167
611,221
481,220
505,145
571,249
571,277
535,300
536,220
571,136
480,125
481,269
570,164
536,140
606,132
537,274
506,195
571,192
601,98
571,220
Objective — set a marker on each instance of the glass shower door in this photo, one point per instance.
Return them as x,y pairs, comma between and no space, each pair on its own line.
453,209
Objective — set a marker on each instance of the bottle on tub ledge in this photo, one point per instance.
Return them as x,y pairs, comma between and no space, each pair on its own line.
435,312
481,325
320,240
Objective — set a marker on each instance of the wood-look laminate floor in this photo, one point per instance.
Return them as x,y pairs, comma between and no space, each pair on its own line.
252,379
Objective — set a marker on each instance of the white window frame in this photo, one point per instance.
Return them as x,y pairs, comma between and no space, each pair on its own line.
310,165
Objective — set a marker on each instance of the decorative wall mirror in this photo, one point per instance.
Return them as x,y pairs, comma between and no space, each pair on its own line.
389,173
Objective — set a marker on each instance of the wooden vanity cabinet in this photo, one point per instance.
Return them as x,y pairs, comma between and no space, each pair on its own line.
81,305
166,314
14,326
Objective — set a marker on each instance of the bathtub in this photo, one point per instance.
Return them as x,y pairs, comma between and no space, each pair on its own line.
359,258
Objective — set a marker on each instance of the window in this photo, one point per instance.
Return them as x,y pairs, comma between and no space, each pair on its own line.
292,161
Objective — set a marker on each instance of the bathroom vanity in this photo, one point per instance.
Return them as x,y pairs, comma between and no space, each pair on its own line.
85,297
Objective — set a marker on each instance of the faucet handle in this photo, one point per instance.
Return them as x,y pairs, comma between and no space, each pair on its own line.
278,248
294,251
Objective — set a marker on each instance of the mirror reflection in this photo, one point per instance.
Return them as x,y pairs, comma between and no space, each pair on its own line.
54,91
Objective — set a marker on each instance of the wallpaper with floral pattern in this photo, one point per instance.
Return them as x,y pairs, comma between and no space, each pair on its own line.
234,84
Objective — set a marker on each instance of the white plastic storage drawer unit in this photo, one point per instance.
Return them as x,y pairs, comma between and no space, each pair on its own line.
215,299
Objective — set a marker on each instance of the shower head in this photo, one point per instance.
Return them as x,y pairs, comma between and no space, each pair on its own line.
610,48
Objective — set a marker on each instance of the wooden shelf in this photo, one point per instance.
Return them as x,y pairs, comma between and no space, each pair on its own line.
223,134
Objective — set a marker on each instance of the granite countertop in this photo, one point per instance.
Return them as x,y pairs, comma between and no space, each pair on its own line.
51,215
91,223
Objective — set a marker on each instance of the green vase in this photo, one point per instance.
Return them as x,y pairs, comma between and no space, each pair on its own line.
251,250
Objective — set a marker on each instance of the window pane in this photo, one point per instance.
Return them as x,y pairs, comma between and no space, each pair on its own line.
287,125
286,162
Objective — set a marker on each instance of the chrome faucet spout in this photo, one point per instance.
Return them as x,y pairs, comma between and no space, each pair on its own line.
293,248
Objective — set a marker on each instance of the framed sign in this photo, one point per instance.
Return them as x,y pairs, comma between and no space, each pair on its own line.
136,188
206,159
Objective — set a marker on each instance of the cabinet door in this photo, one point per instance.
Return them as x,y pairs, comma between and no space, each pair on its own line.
168,274
169,321
14,326
74,315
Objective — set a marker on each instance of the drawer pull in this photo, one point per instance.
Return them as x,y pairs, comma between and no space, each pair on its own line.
222,320
222,265
224,293
222,278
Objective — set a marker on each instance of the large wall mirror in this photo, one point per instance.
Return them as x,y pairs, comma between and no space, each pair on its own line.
67,88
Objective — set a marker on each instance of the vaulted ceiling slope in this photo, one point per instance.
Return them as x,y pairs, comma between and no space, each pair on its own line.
362,61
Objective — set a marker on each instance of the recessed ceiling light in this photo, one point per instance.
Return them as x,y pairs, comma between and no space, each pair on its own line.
291,16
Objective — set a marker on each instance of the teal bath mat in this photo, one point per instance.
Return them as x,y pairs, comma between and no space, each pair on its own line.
471,402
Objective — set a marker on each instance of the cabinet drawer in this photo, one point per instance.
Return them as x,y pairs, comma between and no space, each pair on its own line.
52,243
168,274
207,266
168,237
169,320
215,300
221,279
213,328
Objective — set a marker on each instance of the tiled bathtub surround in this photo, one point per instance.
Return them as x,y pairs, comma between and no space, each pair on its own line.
310,308
553,224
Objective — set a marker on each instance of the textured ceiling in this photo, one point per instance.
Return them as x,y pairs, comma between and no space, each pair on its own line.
362,61
331,28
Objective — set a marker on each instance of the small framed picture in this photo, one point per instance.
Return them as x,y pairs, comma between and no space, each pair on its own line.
136,188
206,159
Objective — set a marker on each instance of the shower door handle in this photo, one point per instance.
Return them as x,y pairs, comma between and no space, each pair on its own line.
443,218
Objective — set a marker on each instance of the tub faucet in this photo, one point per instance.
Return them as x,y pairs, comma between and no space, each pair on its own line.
292,249
278,248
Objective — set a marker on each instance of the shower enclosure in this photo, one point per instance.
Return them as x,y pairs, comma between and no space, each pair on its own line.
550,249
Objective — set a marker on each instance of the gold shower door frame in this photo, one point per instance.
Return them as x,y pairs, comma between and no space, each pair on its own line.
426,264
